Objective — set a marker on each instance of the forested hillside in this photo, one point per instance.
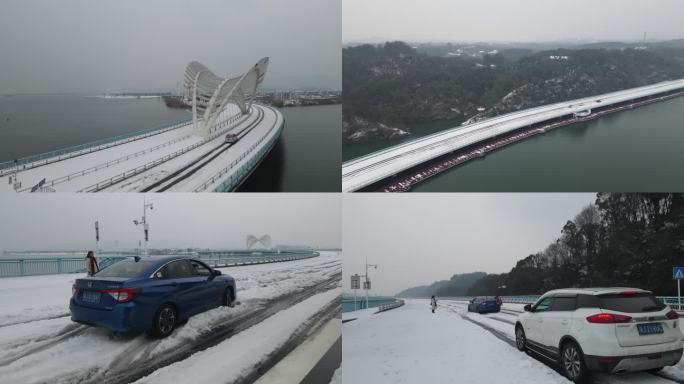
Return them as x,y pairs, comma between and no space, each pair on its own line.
388,87
622,240
458,285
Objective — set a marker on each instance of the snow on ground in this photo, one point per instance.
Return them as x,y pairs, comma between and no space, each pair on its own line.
411,345
48,297
501,322
59,350
246,349
361,313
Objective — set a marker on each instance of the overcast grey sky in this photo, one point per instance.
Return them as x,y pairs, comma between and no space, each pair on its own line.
125,45
506,20
417,239
66,221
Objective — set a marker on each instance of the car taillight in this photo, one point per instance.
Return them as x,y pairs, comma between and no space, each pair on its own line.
672,315
608,318
629,293
74,289
123,295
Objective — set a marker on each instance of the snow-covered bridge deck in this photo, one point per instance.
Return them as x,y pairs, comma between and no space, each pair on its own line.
410,344
173,160
377,166
279,304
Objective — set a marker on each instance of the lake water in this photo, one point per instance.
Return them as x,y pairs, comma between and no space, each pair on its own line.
306,158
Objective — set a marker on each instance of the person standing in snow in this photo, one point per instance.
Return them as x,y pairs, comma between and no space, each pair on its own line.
433,303
91,264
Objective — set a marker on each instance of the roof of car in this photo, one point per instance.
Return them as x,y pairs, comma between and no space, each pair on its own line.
595,290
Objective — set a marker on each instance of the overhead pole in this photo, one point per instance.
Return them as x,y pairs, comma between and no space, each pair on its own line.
145,224
367,283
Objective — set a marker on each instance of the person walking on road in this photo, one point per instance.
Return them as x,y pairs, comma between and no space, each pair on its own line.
91,264
433,303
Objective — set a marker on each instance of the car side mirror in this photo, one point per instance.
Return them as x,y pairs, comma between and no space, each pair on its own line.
216,272
528,308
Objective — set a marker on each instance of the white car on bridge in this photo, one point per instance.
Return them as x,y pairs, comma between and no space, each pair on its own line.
601,329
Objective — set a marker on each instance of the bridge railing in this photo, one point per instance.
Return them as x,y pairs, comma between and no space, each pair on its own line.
50,266
672,301
23,163
57,265
142,168
386,307
229,184
220,261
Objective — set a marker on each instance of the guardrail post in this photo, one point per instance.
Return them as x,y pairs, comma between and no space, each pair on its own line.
59,265
21,267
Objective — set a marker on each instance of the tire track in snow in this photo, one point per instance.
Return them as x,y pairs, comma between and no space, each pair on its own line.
68,332
507,321
35,319
127,373
598,379
307,328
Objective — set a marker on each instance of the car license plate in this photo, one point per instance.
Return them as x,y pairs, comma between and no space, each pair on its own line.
91,297
650,328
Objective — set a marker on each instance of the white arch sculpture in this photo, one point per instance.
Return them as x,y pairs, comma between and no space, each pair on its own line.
264,240
210,93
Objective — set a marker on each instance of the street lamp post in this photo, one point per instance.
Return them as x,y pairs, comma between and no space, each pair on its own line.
143,222
367,283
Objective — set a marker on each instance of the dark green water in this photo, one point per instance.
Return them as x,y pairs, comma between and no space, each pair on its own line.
306,158
640,150
32,124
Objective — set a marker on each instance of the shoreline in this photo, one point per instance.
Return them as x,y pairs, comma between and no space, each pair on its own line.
422,172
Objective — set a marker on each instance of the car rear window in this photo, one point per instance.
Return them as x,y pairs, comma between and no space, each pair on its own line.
633,303
125,268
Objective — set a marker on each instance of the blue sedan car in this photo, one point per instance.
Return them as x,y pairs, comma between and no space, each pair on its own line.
485,304
152,294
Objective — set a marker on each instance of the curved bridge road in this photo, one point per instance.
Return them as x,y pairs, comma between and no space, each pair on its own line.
287,301
366,170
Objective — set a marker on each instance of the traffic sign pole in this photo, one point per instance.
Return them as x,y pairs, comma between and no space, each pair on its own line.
678,274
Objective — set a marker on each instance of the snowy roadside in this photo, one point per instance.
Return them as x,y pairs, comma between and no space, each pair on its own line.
242,353
58,350
410,344
503,324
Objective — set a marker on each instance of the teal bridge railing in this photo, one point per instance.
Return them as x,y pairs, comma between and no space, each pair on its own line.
55,265
58,154
672,301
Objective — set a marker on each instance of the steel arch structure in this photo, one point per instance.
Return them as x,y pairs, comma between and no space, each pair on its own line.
210,93
264,241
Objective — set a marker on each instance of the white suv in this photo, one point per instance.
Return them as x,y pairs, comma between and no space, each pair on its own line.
601,329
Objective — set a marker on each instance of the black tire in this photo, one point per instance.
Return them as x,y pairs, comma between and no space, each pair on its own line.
520,339
165,321
572,363
228,297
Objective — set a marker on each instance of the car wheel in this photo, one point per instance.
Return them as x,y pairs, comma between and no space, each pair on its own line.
228,298
164,321
520,340
572,363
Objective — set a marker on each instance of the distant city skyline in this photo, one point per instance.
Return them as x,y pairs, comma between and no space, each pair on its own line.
507,21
